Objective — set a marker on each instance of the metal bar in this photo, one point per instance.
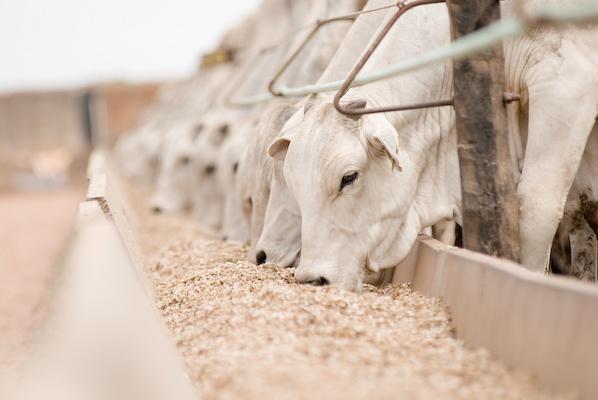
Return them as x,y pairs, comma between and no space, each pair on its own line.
261,97
242,77
308,38
469,44
403,8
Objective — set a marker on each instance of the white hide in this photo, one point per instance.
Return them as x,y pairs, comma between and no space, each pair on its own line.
271,210
280,239
234,225
208,196
172,193
406,163
138,154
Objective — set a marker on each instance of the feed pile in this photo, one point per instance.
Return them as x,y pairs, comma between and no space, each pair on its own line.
253,332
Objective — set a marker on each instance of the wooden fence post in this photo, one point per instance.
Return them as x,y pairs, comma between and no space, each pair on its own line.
489,201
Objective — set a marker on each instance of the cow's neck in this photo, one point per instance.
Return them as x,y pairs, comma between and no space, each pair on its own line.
427,135
431,142
428,138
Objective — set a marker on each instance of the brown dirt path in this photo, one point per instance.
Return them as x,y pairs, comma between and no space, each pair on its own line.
34,227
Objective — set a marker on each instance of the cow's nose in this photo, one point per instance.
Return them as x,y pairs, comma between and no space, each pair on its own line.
157,210
260,257
311,277
321,281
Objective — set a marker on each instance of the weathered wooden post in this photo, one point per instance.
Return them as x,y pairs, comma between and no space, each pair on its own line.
490,206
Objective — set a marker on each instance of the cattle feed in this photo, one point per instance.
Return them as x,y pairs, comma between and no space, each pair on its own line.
253,332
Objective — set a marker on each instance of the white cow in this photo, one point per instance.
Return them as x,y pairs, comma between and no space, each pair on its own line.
177,169
234,226
138,154
208,203
189,176
270,209
366,186
281,239
250,76
195,183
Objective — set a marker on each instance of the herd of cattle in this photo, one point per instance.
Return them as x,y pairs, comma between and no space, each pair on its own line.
342,198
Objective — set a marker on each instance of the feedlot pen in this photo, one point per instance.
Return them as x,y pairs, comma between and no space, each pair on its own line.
252,332
454,324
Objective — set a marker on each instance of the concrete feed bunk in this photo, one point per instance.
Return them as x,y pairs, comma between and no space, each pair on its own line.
252,332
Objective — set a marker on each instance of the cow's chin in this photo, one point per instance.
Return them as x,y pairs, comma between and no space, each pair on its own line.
352,282
289,259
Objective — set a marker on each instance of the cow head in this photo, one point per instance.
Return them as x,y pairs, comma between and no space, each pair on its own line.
280,240
234,226
208,196
356,190
138,154
175,176
271,211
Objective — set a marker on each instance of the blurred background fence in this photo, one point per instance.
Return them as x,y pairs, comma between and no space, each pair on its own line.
49,133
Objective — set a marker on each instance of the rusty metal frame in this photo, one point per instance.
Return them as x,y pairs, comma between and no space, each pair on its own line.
244,74
403,7
319,23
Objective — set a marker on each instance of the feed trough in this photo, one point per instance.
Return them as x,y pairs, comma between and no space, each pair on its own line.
252,331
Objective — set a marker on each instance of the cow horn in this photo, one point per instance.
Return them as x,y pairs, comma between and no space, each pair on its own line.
355,104
358,103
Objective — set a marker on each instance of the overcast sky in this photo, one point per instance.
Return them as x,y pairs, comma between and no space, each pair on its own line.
63,43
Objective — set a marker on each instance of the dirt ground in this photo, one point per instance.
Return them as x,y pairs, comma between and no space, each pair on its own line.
34,228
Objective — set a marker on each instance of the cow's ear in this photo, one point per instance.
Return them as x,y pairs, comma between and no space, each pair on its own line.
385,142
355,103
278,148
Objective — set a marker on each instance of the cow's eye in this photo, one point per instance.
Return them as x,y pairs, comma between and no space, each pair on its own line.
348,179
184,160
210,169
235,167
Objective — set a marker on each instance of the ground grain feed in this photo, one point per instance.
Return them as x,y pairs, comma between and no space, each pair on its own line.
253,332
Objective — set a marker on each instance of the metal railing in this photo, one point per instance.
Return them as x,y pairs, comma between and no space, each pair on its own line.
484,38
